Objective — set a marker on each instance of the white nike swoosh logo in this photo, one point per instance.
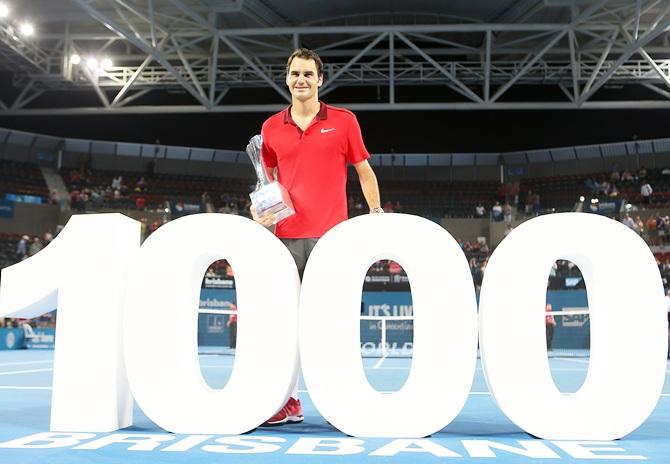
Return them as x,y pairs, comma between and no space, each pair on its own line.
323,131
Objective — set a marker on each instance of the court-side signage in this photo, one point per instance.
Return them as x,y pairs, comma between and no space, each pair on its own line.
11,339
99,272
196,447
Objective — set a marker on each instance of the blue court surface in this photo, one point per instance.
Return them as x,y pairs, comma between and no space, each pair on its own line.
480,433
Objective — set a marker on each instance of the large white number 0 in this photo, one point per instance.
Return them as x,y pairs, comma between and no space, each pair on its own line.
161,325
445,327
629,330
82,272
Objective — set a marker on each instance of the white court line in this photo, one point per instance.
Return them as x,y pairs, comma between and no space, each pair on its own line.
16,387
26,372
381,391
567,369
26,362
488,393
389,368
581,361
380,362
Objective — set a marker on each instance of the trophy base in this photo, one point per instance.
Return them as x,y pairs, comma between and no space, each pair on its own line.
272,198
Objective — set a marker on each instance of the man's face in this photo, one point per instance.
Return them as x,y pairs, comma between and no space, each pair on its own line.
302,79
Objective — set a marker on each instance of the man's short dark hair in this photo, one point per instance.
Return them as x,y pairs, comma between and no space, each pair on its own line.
306,54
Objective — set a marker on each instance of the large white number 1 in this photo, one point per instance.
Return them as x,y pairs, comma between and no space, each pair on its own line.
82,272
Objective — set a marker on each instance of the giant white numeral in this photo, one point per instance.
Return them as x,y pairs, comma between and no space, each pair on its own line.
161,325
445,327
82,273
629,330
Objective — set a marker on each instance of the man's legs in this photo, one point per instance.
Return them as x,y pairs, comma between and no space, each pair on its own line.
300,249
233,335
550,335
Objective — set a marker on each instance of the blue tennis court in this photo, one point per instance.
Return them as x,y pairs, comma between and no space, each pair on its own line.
480,430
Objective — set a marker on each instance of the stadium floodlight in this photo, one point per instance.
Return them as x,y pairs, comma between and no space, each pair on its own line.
92,63
4,10
27,29
106,63
75,59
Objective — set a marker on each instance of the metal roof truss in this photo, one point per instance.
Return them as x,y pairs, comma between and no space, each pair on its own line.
469,66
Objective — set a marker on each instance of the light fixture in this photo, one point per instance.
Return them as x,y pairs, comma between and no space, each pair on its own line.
26,29
92,63
75,59
581,199
4,10
106,63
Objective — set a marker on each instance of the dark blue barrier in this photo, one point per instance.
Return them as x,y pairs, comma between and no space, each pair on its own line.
212,328
14,339
572,331
398,332
11,339
6,209
44,339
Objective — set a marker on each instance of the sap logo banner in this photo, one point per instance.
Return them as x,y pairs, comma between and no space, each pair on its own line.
574,320
98,258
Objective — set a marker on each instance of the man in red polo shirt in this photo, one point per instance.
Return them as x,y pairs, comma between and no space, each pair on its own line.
307,147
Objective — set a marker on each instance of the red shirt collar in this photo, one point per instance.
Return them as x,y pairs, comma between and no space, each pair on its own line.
322,114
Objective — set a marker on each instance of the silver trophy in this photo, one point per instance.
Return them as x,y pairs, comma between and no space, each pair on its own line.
269,197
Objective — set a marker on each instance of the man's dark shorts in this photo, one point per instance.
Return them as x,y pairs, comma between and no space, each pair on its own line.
300,249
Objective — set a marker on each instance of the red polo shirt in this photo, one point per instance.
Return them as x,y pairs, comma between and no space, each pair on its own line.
312,165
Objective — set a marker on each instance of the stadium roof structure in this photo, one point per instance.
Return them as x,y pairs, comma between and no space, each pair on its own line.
191,56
